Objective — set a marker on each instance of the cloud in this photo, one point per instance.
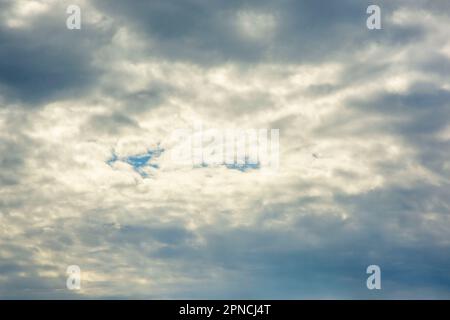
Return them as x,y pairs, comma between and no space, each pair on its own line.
43,60
363,176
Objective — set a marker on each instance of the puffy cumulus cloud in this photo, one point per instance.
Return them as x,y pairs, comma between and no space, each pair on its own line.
86,137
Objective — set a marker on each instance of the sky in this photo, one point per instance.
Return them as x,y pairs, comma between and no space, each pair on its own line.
87,119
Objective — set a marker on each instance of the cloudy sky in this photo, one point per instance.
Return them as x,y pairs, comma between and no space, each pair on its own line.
86,124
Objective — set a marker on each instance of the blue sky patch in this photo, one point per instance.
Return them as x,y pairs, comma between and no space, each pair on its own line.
140,161
243,167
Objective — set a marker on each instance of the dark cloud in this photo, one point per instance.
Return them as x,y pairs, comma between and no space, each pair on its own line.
47,61
417,117
208,31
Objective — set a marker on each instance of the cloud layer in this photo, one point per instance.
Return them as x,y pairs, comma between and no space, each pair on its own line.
364,149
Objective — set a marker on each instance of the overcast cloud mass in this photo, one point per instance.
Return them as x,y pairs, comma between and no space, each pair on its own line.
86,118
